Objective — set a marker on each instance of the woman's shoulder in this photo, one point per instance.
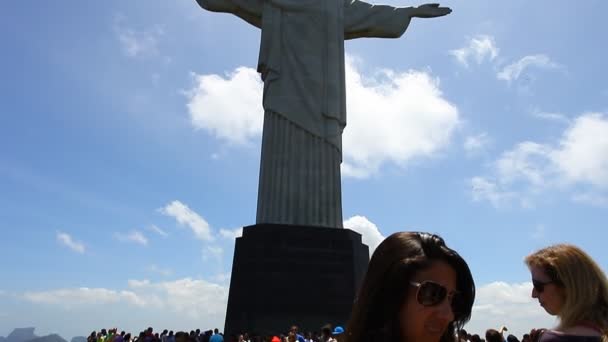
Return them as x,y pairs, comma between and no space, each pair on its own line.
568,336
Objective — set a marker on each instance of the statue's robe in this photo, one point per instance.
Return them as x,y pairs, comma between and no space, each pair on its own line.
302,65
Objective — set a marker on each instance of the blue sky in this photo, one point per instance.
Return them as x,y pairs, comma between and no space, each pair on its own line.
130,136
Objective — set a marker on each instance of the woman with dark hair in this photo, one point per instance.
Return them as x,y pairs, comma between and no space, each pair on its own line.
569,284
415,289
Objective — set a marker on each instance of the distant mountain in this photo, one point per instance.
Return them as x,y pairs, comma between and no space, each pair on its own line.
21,335
77,339
49,338
27,335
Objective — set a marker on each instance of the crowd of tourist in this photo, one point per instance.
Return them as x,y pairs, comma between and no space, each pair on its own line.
417,289
325,334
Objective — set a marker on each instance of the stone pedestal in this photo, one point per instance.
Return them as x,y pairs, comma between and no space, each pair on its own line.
284,275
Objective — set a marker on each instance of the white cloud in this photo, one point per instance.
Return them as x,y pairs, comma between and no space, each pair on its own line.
594,199
480,48
229,108
501,303
578,160
137,43
513,71
157,230
392,117
476,143
222,277
194,298
133,236
231,234
519,175
198,300
66,240
159,270
178,304
483,189
186,216
582,155
134,283
370,234
527,162
214,252
83,296
548,116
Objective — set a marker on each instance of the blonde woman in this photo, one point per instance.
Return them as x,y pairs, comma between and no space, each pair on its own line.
570,285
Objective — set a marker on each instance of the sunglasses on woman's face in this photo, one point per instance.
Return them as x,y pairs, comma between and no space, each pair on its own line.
430,293
539,286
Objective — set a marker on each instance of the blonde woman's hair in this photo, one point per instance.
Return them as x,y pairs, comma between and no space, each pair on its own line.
585,285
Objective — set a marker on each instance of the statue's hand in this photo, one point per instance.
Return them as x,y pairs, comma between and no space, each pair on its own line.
431,11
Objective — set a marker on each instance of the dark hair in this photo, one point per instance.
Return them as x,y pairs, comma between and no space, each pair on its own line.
394,263
512,338
475,338
181,335
493,336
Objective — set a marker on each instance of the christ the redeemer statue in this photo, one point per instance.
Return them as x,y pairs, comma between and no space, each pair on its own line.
302,65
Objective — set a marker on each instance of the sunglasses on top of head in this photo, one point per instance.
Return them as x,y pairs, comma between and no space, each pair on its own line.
430,293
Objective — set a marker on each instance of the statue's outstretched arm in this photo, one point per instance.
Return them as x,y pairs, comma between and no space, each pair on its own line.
430,11
248,10
294,5
362,19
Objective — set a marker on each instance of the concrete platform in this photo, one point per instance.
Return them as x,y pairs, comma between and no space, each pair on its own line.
284,275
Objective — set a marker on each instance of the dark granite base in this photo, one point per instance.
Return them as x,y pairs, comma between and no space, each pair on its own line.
285,275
